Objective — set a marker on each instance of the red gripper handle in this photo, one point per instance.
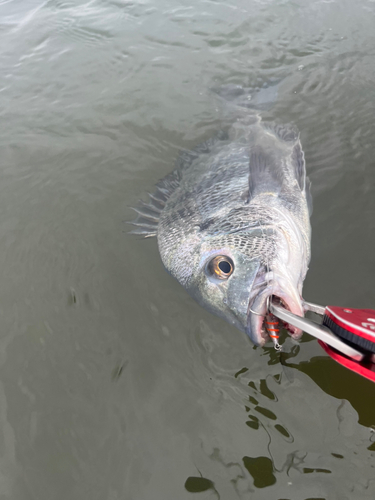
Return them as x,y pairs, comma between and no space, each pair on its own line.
356,327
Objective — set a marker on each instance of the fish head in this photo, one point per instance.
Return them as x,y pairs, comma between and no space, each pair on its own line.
231,278
223,282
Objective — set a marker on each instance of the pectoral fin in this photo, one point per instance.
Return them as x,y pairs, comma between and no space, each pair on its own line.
264,176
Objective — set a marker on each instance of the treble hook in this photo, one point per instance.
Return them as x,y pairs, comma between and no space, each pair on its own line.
272,324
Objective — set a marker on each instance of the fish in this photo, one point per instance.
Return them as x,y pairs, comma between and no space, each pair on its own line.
232,220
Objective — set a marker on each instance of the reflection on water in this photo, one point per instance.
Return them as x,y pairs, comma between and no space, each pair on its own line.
113,383
299,438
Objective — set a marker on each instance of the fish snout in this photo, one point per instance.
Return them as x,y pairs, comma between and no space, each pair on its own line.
287,297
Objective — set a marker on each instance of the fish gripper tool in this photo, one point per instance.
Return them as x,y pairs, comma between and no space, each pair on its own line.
346,334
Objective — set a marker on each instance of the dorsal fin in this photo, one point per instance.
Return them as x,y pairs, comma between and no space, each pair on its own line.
148,214
264,176
187,157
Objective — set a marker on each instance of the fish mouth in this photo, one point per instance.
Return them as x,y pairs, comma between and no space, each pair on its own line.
258,309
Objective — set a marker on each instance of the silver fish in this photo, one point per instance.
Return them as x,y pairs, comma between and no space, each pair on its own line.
232,220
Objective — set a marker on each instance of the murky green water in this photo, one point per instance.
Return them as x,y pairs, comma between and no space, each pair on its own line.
114,384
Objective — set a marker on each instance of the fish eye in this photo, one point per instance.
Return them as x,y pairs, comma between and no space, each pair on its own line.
220,267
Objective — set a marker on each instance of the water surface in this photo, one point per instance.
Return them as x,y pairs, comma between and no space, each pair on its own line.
114,383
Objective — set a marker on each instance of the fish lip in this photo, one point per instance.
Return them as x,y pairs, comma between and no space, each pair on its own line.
257,311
